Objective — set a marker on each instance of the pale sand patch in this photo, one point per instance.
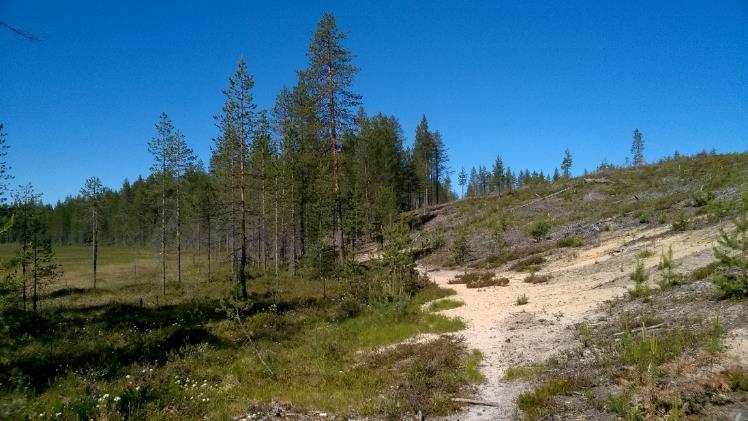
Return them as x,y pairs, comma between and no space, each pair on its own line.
509,335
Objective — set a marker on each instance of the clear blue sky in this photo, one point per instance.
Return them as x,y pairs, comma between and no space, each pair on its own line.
524,79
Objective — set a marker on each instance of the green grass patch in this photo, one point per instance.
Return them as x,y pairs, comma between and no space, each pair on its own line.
539,403
445,304
523,372
570,242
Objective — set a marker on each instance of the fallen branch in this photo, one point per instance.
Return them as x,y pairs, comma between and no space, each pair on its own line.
476,402
642,329
539,199
252,343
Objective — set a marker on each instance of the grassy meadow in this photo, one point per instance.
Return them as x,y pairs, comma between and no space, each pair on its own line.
102,354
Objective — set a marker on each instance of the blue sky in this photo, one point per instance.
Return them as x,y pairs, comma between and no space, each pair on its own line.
526,79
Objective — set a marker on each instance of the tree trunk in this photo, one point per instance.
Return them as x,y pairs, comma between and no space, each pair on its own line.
292,263
179,234
242,209
94,244
35,273
336,182
163,229
210,274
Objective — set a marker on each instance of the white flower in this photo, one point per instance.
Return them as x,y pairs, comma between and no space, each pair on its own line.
137,388
58,414
116,398
106,396
127,376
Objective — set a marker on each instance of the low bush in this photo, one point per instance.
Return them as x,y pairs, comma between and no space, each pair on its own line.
534,278
522,300
530,264
569,242
539,229
479,280
681,221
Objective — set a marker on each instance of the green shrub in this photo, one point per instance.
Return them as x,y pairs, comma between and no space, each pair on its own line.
681,221
460,248
666,267
522,300
640,277
531,263
701,198
570,242
539,229
732,256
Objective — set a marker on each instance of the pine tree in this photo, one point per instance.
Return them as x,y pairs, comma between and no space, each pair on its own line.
5,176
566,164
330,76
162,147
637,148
462,181
498,174
732,256
26,203
230,156
91,192
182,159
423,150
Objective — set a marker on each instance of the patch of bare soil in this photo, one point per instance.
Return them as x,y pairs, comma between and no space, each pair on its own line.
509,335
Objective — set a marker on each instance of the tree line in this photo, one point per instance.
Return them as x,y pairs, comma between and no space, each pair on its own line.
306,180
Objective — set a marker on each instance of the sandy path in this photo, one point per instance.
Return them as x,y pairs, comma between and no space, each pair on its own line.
510,335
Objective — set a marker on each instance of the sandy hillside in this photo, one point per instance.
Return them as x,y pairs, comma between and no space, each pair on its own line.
510,335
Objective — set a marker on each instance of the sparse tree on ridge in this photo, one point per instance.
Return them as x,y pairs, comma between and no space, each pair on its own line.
91,192
462,181
566,164
498,174
637,148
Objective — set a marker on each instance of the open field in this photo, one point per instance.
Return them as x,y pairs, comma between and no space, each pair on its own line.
100,354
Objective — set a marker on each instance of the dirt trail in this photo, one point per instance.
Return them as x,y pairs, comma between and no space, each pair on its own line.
510,335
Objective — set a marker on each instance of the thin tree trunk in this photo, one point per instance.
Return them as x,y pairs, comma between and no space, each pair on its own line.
292,263
277,278
179,234
210,274
242,209
163,229
35,273
336,182
95,244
